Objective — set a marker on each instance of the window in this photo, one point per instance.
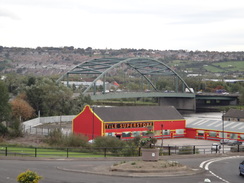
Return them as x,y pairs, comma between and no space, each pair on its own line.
135,134
242,137
157,132
208,102
126,134
221,135
179,131
212,134
200,133
233,136
166,132
109,134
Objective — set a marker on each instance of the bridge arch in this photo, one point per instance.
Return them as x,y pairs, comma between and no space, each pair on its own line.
144,66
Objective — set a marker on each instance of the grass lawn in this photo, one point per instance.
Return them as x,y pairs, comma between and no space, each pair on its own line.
231,66
211,68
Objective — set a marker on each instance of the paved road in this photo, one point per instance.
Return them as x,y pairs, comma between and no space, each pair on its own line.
216,171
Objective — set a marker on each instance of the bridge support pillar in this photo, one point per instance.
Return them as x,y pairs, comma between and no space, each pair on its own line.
184,104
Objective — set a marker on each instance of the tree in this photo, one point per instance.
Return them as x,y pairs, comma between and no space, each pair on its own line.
49,97
34,96
3,130
21,109
241,96
4,105
79,103
14,83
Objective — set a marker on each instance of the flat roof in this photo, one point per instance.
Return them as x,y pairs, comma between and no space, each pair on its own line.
215,124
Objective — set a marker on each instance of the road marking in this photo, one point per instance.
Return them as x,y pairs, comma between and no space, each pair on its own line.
219,177
205,165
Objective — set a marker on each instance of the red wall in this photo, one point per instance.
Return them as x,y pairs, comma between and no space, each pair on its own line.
167,125
87,123
191,133
170,125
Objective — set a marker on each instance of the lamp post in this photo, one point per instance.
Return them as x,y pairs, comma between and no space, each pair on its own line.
223,131
162,128
93,123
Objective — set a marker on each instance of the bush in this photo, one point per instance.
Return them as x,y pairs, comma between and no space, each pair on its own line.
57,138
148,142
113,144
54,138
15,129
188,150
131,147
74,140
28,177
3,130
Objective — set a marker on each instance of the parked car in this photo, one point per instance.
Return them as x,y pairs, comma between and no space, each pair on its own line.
241,168
215,147
230,142
234,142
224,141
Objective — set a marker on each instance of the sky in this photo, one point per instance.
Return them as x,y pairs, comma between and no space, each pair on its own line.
213,25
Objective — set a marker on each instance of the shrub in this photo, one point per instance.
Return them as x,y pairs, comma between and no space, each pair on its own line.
136,141
131,148
76,140
148,142
3,130
113,144
28,177
57,138
188,150
54,138
15,129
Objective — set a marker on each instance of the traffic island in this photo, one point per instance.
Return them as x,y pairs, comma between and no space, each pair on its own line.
153,168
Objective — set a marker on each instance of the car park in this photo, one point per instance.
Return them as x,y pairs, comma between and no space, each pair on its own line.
241,168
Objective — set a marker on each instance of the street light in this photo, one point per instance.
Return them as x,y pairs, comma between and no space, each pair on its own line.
162,128
223,131
93,109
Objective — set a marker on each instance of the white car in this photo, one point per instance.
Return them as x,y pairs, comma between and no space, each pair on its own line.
215,147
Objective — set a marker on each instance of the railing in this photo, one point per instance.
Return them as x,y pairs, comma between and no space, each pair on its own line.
33,126
109,151
44,131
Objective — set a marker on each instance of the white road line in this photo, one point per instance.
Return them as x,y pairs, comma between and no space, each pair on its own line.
219,177
205,165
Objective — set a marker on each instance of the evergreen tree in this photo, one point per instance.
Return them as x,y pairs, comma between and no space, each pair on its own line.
4,104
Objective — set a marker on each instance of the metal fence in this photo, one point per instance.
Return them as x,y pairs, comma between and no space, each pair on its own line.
35,126
43,131
109,151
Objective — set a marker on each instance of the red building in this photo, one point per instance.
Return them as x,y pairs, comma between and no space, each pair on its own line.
129,121
214,129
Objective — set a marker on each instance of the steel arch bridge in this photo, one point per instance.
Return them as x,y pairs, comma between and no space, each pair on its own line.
145,67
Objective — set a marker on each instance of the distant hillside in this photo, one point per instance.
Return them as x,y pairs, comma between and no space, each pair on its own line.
57,61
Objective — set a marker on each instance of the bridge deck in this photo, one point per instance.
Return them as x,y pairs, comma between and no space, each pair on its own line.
141,95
